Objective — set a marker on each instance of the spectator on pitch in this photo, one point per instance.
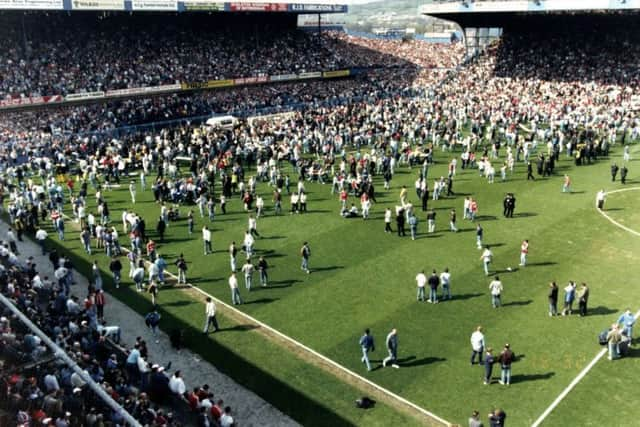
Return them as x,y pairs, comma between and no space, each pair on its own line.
367,345
392,347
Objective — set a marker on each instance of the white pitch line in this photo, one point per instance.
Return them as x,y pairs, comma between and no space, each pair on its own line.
613,221
311,351
602,352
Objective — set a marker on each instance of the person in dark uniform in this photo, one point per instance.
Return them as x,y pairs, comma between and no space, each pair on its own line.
614,172
511,205
583,299
623,174
530,172
400,220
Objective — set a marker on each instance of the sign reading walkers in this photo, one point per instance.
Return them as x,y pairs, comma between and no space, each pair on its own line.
97,4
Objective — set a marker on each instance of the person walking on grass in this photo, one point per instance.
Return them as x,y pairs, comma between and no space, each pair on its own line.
235,293
41,237
479,235
392,348
181,263
210,319
614,338
486,258
305,253
190,222
566,185
153,291
553,299
152,320
524,251
506,358
132,191
262,269
387,221
206,238
233,253
477,345
496,292
421,279
600,198
248,270
138,276
489,360
116,269
497,418
367,345
452,221
253,226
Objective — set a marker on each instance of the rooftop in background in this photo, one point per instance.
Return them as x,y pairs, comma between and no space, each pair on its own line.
301,6
470,13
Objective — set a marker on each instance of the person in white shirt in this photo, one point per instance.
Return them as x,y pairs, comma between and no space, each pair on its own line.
421,279
253,226
41,236
477,345
387,221
600,197
132,191
210,312
486,257
226,420
248,244
176,384
524,250
206,238
259,206
445,280
235,293
496,290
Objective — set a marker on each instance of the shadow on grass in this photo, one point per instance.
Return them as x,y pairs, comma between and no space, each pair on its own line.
261,301
613,209
518,303
464,296
600,311
280,284
272,238
330,268
486,218
524,214
178,303
521,378
540,264
240,328
302,408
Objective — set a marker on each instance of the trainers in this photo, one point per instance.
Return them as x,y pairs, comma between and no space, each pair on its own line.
395,366
429,300
501,382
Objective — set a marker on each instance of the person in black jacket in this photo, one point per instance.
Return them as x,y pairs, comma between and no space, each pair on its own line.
614,172
553,299
160,228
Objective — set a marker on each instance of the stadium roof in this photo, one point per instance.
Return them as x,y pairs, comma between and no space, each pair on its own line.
302,6
492,12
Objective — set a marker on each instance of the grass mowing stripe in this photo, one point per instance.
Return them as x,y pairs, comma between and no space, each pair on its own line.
321,360
573,383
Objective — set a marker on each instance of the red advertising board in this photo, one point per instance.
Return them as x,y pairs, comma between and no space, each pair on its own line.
30,100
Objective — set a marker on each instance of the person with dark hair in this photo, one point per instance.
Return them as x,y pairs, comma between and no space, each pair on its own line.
506,358
392,348
366,344
210,311
583,299
497,418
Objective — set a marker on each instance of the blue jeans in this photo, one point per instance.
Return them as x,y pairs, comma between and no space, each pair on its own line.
263,277
247,282
420,293
486,267
207,247
305,264
61,234
235,296
495,301
553,309
433,294
365,358
614,350
446,292
505,375
116,278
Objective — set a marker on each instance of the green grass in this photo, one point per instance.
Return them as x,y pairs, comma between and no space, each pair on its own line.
363,278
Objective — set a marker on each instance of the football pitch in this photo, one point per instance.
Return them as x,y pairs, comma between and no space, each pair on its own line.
362,277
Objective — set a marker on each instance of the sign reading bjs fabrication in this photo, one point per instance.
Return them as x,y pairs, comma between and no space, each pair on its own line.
31,4
97,4
318,8
258,7
154,5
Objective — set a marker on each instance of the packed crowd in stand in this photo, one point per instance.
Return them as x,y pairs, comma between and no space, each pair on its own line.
38,388
514,96
82,53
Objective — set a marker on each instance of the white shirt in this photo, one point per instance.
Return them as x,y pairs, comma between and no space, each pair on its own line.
496,287
477,340
421,279
248,240
226,420
387,216
206,235
486,255
176,385
252,223
41,234
445,278
233,282
210,309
